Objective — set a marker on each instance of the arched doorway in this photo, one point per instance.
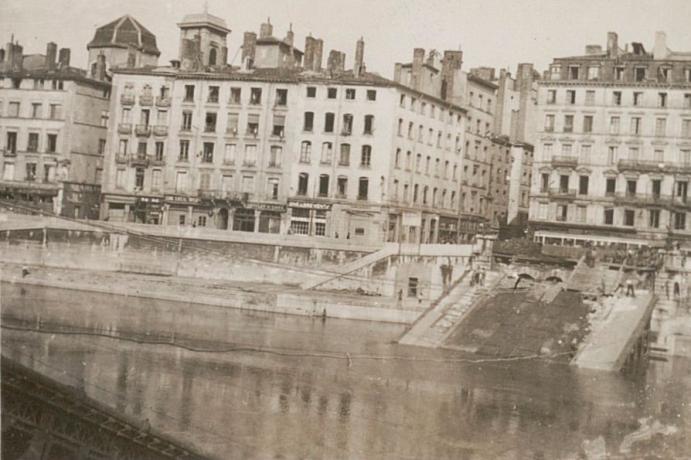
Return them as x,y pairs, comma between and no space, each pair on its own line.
212,56
223,219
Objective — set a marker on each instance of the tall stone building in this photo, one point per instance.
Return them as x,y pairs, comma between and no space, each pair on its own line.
53,124
284,143
613,154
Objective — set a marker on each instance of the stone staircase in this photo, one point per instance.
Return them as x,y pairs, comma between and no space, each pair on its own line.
351,267
438,322
589,280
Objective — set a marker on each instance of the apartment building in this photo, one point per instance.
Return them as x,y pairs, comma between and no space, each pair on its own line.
280,144
613,150
53,124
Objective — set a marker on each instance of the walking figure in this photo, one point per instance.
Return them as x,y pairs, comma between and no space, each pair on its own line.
676,290
629,288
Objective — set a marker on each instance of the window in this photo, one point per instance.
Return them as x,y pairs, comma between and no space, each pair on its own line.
181,181
201,221
347,124
635,126
616,98
229,154
13,109
30,171
614,125
350,93
654,218
554,72
619,73
275,156
32,144
156,179
366,156
590,97
311,91
570,96
235,96
573,72
609,216
52,143
593,72
344,158
327,151
631,188
36,110
397,159
562,212
210,122
680,221
629,217
341,187
633,153
686,128
610,186
412,287
159,151
253,124
55,111
250,155
371,95
278,128
247,184
682,190
227,183
549,123
611,154
585,153
639,73
363,184
687,101
303,180
656,187
323,185
660,126
568,123
637,98
272,187
255,96
208,152
583,185
662,99
308,123
332,93
588,124
369,124
281,97
162,117
184,150
563,183
186,121
189,93
305,151
141,149
139,178
213,95
329,121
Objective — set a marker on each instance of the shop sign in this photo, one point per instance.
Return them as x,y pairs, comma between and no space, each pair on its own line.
411,219
181,199
267,207
309,205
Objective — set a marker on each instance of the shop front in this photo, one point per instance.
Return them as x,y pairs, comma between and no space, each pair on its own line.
41,197
448,229
309,218
147,210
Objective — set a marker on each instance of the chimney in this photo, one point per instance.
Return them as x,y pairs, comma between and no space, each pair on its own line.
416,74
450,65
359,66
2,55
593,49
15,57
318,52
51,55
612,45
64,57
398,67
266,30
249,46
101,67
525,76
310,44
290,36
336,61
660,51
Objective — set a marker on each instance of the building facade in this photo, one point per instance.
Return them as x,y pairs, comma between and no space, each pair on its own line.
613,148
282,145
53,126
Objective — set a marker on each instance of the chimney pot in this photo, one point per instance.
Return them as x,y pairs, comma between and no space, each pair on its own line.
51,55
358,68
64,57
249,46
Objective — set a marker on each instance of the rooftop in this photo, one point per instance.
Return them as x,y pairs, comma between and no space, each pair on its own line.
122,33
204,19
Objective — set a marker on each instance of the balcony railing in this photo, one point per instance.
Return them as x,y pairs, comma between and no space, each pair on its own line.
641,165
9,153
231,132
274,164
565,193
139,159
121,158
566,161
163,101
127,99
158,161
161,130
146,100
142,130
125,128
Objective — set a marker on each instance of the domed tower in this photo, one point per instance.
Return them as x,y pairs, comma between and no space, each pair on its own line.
203,41
124,43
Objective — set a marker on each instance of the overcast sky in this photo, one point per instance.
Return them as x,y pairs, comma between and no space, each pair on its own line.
497,33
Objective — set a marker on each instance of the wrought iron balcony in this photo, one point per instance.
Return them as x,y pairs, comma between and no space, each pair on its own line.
146,100
163,101
161,130
562,193
564,161
121,158
158,161
127,99
142,130
125,128
139,160
9,153
641,165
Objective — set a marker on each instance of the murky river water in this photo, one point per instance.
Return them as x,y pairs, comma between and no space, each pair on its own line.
237,384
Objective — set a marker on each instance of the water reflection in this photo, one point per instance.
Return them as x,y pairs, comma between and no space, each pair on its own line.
417,404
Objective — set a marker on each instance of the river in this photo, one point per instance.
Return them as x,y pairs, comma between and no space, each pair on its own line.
239,384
